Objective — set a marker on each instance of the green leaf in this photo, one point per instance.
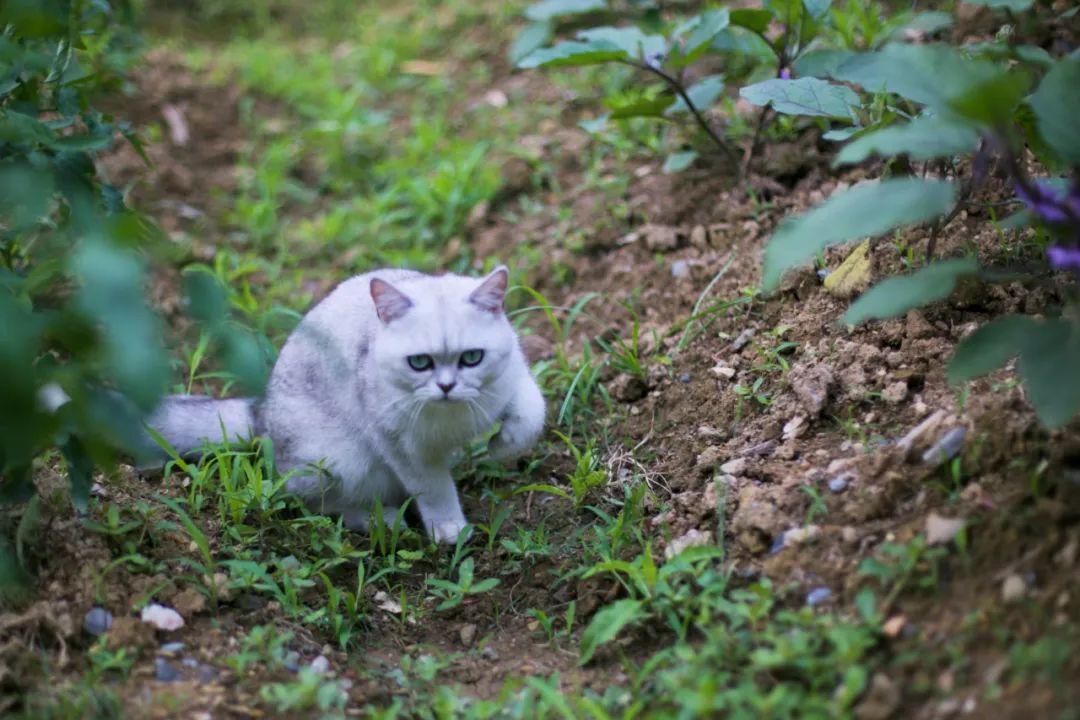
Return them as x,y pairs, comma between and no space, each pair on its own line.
817,8
530,38
677,162
896,295
821,63
80,470
865,210
1012,5
702,30
548,10
752,19
82,143
925,23
923,138
631,40
19,129
571,53
866,603
1050,367
639,106
702,94
989,347
606,624
805,96
206,298
1056,104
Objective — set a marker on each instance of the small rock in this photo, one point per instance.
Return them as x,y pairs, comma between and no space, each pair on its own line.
893,626
912,439
161,617
801,535
940,529
743,339
489,653
811,385
1013,588
292,661
709,457
779,543
220,582
172,648
1066,557
690,538
206,674
320,665
386,603
849,535
881,700
947,447
628,388
684,378
708,432
734,467
916,326
699,237
895,393
723,371
818,596
659,238
838,484
467,634
680,268
164,671
97,621
794,427
761,449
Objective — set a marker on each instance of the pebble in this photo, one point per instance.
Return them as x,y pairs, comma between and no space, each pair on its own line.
680,268
321,665
292,661
734,467
467,634
684,378
161,617
1013,588
164,671
778,543
97,621
743,339
940,529
489,653
947,447
838,484
172,647
818,596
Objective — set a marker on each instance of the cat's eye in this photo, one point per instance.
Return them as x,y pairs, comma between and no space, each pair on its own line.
472,358
420,363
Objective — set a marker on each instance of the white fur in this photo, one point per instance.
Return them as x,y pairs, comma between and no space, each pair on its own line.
343,398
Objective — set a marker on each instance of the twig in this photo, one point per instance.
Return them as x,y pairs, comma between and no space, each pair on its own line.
675,85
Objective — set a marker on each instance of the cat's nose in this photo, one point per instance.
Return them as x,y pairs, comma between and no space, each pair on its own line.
446,387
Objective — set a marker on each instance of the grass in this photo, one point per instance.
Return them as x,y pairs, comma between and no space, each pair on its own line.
368,149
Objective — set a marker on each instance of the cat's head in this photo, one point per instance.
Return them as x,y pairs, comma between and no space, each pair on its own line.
442,339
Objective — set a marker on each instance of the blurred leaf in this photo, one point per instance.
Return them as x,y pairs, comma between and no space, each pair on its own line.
1056,104
25,193
821,63
702,94
805,96
751,19
1048,364
702,30
548,10
896,295
573,53
655,106
631,40
865,210
923,138
989,347
206,298
1013,5
606,625
80,471
677,162
529,38
244,358
925,23
817,8
20,129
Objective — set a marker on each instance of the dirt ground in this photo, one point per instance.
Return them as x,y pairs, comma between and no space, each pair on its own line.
849,436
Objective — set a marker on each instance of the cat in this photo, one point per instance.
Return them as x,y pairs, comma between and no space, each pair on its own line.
381,383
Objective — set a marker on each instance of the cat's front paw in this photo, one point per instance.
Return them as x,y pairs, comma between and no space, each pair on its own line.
512,441
446,531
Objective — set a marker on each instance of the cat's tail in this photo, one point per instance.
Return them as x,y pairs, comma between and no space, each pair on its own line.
189,422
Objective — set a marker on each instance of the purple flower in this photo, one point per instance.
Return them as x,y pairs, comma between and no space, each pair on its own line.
1064,258
785,74
1046,202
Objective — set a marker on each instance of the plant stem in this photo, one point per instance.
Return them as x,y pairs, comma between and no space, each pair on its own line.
677,86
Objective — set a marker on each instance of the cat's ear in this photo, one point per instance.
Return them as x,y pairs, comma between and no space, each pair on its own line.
489,295
390,303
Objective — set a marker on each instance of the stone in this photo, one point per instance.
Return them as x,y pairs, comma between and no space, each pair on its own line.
467,634
659,238
172,648
849,535
811,385
680,268
818,596
947,447
734,467
164,671
723,371
691,538
895,393
162,618
801,535
220,583
941,529
189,602
699,237
893,626
1013,589
709,457
743,339
794,427
838,484
320,665
97,621
489,653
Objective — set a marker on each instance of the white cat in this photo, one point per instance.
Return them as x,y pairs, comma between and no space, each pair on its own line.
380,384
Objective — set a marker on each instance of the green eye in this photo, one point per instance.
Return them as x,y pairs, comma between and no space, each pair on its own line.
471,358
420,363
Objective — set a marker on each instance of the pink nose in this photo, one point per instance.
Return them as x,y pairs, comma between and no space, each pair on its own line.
445,387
